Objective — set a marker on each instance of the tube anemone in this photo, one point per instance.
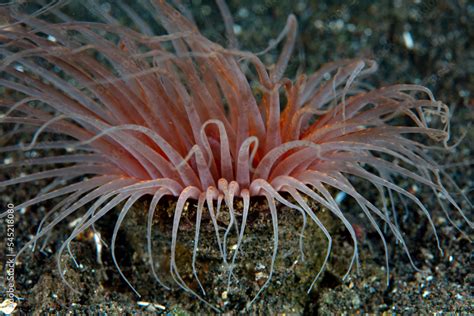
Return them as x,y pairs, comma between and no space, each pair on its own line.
119,113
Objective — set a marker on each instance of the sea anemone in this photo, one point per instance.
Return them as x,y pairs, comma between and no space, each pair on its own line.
125,114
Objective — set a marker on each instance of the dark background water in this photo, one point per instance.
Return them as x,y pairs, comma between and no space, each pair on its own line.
424,42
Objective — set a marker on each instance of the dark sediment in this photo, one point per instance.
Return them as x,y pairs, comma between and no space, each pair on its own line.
441,58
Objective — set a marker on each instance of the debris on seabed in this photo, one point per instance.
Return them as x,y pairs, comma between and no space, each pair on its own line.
151,306
7,306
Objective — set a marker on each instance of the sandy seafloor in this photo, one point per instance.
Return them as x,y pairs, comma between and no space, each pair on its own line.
427,42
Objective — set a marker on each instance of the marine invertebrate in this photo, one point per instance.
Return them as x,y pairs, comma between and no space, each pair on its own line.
175,115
